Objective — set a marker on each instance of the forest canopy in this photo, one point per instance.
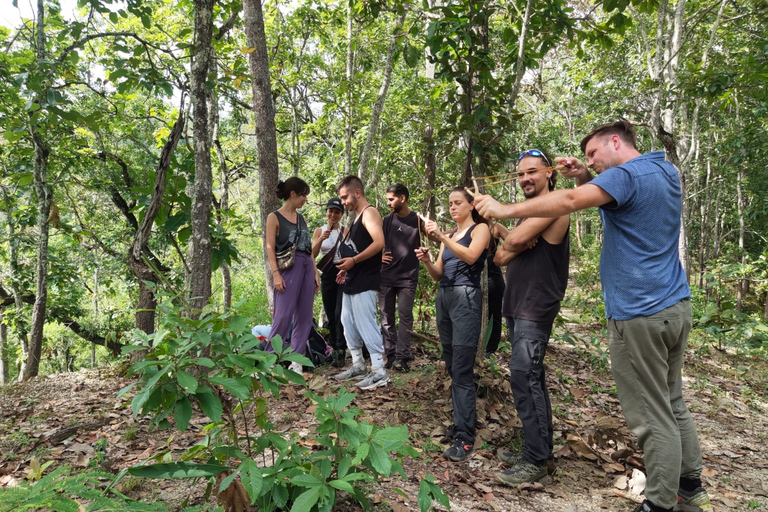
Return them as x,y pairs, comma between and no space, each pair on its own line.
141,141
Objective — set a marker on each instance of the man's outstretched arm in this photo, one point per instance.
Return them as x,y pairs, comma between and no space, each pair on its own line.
555,204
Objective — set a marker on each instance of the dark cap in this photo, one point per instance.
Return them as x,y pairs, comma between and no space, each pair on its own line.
334,202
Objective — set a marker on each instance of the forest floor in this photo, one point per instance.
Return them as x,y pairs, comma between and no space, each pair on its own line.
73,418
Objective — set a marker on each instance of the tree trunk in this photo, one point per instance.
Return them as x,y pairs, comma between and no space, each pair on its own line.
350,74
264,110
430,170
44,193
4,370
226,278
139,258
200,279
378,105
20,324
740,207
95,310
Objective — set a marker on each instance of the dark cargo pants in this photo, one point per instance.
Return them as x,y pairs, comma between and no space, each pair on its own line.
529,389
458,322
397,339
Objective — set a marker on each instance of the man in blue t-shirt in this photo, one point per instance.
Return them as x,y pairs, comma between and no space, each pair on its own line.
647,299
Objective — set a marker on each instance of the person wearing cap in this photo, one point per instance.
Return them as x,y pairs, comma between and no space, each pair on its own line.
399,277
647,299
325,242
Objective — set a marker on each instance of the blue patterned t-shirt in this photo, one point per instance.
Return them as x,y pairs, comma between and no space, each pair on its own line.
640,266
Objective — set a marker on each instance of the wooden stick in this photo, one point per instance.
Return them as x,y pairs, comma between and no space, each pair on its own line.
543,169
481,178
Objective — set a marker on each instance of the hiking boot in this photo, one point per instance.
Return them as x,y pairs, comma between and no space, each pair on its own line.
374,380
693,501
459,451
350,373
402,365
511,458
522,472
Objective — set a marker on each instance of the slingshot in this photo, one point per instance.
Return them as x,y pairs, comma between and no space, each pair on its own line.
510,176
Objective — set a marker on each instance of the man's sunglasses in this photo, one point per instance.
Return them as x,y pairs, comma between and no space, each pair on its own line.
534,152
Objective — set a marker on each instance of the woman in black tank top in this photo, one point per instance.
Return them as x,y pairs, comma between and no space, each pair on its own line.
458,267
295,287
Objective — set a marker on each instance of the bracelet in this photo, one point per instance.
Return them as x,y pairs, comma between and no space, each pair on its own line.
353,260
275,271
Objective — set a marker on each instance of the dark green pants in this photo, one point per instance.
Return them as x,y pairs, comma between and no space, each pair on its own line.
647,360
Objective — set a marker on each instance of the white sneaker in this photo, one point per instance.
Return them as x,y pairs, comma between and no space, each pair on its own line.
374,380
350,373
296,367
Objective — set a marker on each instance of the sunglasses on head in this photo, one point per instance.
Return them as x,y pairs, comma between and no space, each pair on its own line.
534,152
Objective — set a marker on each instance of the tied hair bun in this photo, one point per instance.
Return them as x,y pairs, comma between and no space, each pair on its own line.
280,190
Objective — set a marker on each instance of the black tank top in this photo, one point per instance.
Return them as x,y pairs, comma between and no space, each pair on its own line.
536,281
458,273
286,235
365,275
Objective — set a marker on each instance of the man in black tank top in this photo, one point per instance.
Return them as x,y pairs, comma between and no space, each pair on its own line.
536,253
360,271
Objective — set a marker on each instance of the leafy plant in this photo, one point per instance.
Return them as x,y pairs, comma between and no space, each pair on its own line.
62,490
214,362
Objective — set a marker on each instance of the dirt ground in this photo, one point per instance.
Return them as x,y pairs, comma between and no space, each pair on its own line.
76,419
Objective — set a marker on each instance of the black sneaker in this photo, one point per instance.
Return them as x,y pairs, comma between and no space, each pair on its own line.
390,362
459,451
402,365
643,507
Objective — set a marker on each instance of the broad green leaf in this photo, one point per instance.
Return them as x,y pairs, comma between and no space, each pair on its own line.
307,480
183,413
187,382
241,391
306,500
392,434
209,403
252,479
342,485
380,460
178,470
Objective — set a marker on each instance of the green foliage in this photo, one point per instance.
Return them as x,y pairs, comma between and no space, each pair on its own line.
213,362
63,491
716,312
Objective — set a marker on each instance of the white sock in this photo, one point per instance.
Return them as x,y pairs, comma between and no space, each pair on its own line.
377,361
357,357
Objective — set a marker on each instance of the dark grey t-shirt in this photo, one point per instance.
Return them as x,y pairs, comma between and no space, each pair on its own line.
401,238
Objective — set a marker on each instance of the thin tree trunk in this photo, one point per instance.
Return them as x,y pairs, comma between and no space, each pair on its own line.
264,110
95,310
350,74
200,279
138,255
520,64
4,370
226,278
430,170
740,207
44,193
378,105
20,324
